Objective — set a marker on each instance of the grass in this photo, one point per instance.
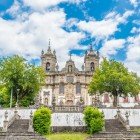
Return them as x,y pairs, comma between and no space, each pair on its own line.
67,136
137,130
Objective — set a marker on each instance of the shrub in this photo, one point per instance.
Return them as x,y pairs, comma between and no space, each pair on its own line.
42,120
94,119
96,125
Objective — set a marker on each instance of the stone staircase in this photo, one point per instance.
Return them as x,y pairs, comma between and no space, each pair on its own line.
115,136
19,126
18,130
114,130
114,125
20,136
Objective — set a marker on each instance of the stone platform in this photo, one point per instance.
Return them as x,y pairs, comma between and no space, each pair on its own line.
115,136
20,136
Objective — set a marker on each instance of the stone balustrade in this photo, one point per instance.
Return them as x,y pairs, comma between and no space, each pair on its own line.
67,109
124,121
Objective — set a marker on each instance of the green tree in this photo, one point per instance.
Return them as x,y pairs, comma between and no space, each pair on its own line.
20,79
114,78
42,120
94,119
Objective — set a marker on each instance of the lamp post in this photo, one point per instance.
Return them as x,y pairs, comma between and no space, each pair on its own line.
11,98
17,94
117,89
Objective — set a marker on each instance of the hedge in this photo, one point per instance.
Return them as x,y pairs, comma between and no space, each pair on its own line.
42,120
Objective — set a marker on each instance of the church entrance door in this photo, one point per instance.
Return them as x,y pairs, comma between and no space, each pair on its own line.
69,102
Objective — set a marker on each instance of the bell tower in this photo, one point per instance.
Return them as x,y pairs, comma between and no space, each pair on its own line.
91,60
49,59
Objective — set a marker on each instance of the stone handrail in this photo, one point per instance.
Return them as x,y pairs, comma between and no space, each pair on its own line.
124,121
67,109
6,122
15,117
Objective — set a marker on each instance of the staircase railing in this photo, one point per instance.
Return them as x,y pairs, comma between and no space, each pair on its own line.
67,109
6,122
124,121
15,117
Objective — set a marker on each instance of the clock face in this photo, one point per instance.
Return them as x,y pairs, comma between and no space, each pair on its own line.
70,79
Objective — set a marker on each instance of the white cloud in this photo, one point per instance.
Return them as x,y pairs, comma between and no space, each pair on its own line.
135,30
28,35
110,47
106,27
134,2
133,54
43,4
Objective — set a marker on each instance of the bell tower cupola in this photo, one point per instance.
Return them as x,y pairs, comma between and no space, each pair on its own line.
49,60
91,60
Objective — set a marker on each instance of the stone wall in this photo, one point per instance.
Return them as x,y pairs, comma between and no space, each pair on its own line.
75,119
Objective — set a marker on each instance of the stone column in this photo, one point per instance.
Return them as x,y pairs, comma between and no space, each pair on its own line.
30,129
17,117
103,129
118,114
5,122
127,121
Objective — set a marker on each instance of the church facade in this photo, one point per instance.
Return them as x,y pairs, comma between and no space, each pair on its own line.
69,86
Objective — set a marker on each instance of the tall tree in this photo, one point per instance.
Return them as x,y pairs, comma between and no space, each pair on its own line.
21,79
114,78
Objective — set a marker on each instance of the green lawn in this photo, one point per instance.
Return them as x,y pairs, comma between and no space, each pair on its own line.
137,130
67,136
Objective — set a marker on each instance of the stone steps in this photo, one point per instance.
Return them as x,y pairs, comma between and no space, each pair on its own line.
18,130
20,136
113,125
19,126
115,136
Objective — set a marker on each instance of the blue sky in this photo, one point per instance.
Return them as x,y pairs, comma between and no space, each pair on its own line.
111,26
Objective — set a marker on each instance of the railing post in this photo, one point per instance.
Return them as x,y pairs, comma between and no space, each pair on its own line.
5,122
17,117
118,113
127,121
30,129
103,129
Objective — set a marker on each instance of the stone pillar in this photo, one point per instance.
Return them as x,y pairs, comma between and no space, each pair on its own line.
17,117
53,103
30,129
5,122
118,113
127,121
103,129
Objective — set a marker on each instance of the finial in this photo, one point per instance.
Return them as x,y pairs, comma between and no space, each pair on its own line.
49,42
83,67
86,52
90,48
42,52
49,46
54,52
57,67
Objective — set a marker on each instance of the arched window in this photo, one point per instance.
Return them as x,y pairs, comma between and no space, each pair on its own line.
137,99
106,98
70,68
61,103
47,66
92,66
61,88
46,101
78,88
125,100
